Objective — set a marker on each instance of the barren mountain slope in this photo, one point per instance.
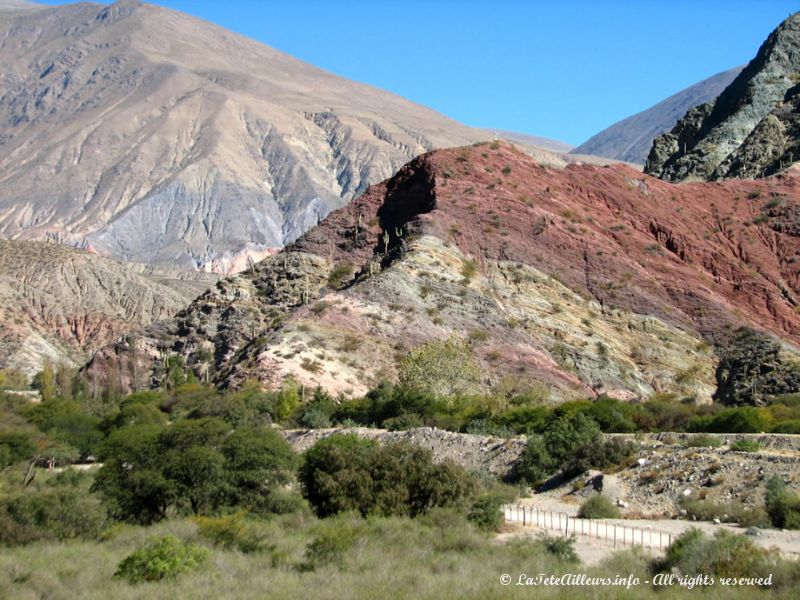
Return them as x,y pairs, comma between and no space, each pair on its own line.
157,137
60,303
587,279
631,139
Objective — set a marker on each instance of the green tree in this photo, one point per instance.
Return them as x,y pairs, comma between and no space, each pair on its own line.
444,368
258,461
131,480
45,381
345,473
335,475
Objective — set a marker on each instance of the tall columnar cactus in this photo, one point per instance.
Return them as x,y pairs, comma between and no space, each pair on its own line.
386,239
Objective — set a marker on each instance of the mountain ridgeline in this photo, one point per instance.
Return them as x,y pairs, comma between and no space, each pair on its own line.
752,129
585,280
155,137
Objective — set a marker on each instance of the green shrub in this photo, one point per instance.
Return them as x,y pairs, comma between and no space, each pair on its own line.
486,513
161,558
563,548
745,445
535,464
18,446
340,274
345,473
782,506
703,441
598,507
59,514
193,466
231,532
725,555
600,454
331,544
727,512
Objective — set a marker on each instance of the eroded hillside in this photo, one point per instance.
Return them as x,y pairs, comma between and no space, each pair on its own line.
587,280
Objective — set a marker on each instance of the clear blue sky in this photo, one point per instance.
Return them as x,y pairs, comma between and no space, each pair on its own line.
559,69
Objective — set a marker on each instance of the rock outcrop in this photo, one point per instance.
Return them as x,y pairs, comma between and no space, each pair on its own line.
750,130
631,139
583,281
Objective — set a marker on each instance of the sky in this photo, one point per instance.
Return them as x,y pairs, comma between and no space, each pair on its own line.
563,70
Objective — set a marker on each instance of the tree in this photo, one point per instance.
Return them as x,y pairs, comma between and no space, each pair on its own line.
346,473
131,480
443,368
45,381
258,461
335,476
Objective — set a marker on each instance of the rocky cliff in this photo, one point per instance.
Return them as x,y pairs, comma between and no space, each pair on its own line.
156,137
631,139
585,280
750,130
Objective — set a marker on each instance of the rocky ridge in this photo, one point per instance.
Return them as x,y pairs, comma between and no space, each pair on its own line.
584,281
750,130
630,140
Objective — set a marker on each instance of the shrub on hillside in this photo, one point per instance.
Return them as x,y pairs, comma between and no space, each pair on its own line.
703,441
598,507
161,558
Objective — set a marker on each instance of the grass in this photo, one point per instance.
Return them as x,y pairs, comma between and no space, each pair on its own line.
438,556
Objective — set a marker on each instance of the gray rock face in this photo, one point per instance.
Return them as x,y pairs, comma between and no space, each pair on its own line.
156,137
749,130
631,139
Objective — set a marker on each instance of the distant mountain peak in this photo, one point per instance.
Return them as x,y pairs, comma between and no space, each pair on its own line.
630,140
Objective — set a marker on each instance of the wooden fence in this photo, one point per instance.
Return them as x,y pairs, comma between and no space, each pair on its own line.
566,524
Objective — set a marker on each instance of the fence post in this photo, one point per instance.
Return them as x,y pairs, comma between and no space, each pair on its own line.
624,537
615,536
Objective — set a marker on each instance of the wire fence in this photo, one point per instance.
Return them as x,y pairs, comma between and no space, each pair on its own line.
566,524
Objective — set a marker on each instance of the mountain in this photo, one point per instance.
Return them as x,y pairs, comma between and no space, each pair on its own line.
630,140
61,303
155,137
586,280
751,130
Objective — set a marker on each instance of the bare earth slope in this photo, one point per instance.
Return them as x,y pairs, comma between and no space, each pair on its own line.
631,139
587,279
60,303
160,138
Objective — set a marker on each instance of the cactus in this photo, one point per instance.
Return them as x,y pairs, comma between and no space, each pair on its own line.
386,239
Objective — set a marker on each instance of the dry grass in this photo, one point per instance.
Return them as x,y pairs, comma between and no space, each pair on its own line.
437,558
